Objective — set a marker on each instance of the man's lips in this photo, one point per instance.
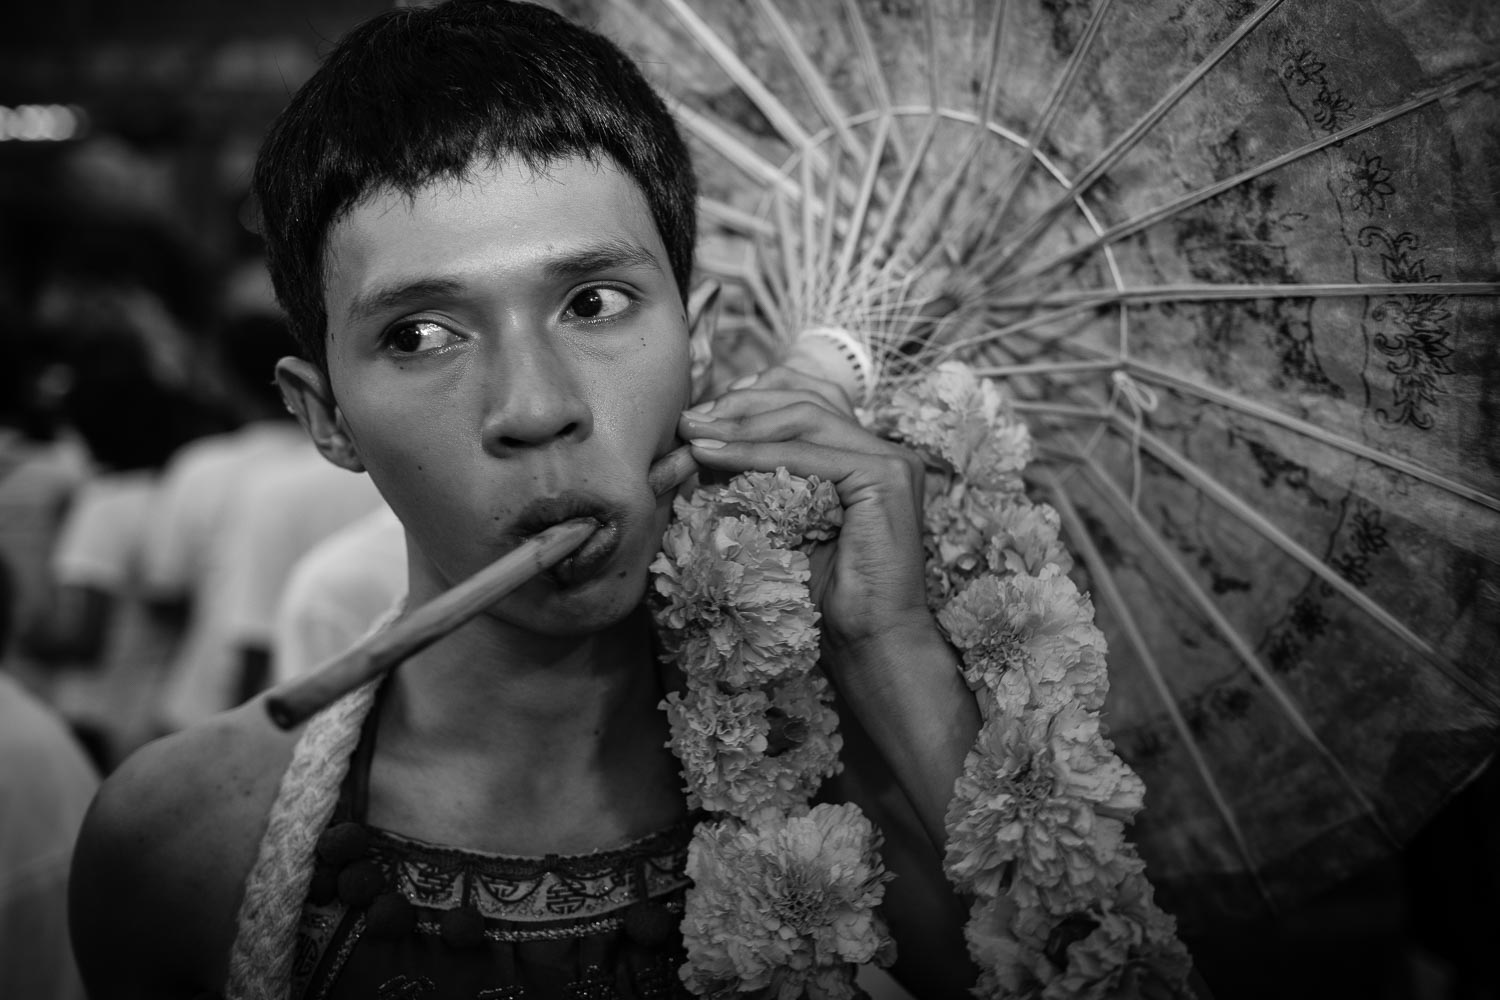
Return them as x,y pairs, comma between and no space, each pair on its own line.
544,512
596,550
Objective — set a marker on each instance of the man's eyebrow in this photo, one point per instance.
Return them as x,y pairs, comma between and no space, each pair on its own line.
572,265
603,256
397,297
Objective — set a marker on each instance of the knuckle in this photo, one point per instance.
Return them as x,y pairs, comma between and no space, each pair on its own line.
809,413
896,468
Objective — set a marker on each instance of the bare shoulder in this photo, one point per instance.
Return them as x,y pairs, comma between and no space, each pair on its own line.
164,852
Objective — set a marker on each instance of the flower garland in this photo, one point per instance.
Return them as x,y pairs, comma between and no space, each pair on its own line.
785,896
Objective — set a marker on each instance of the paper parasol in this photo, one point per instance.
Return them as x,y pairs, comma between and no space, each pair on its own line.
1237,263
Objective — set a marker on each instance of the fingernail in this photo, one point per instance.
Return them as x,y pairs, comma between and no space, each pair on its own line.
744,381
700,412
710,444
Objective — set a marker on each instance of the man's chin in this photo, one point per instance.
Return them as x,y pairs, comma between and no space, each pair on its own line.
583,607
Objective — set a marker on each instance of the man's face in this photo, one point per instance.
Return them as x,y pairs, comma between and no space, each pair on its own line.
507,352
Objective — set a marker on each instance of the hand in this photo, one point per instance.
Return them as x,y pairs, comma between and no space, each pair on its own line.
881,646
870,582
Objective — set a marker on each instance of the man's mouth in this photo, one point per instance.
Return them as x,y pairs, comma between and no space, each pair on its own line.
588,559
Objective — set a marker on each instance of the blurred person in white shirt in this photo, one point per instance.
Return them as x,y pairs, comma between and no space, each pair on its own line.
186,570
284,514
337,592
103,650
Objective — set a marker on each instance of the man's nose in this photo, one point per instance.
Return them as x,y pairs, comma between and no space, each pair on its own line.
533,396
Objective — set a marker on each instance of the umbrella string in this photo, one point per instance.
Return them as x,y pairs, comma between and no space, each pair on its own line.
1140,399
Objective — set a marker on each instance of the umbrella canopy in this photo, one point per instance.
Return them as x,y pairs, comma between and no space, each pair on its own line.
1237,263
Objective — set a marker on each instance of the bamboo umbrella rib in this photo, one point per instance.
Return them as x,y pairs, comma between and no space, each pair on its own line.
1137,131
1161,213
776,113
812,80
775,278
941,196
726,214
814,263
1103,361
864,45
1018,175
807,246
1061,410
1206,293
765,300
893,207
751,163
786,242
1019,326
856,227
1110,592
1249,407
1231,635
1046,368
1226,498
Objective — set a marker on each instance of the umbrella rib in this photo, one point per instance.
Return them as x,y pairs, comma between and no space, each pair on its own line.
812,80
751,163
736,218
776,113
1229,400
875,76
1133,135
1112,596
1150,218
944,191
1104,361
1237,642
861,208
1213,292
791,274
893,207
1060,91
1226,498
1249,407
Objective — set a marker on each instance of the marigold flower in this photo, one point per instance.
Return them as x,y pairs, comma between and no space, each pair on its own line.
731,603
793,511
724,741
1040,624
954,415
1040,806
782,907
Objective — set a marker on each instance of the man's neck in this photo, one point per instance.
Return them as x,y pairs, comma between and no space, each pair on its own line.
549,729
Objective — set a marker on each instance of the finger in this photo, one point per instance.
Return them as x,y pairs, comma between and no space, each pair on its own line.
799,418
848,470
782,377
743,402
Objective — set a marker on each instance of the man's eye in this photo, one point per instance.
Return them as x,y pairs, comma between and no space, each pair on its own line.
419,336
598,303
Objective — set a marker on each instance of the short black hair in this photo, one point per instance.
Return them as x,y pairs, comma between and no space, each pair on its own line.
422,93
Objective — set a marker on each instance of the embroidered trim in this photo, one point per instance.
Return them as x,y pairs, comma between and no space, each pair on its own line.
535,889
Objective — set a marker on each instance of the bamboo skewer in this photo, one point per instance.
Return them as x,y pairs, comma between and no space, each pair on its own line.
296,700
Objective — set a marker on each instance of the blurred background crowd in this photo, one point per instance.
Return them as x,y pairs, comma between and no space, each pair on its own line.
155,495
154,491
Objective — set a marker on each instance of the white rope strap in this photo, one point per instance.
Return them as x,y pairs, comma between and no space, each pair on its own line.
261,958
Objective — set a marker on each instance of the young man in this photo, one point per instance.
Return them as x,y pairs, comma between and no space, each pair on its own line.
480,219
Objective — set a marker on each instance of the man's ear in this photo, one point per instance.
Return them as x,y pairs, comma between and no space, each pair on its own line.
307,393
703,322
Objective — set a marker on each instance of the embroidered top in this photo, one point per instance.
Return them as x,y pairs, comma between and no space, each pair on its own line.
393,917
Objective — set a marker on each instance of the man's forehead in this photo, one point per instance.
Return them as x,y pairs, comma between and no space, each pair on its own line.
581,175
571,219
